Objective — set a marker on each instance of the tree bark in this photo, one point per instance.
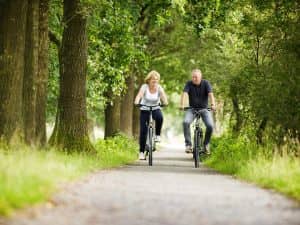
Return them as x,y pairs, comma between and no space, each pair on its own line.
30,71
112,116
238,124
71,129
42,78
12,45
136,110
127,107
260,131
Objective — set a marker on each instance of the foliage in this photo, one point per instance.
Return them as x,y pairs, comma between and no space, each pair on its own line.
55,27
53,83
248,50
116,150
111,50
252,60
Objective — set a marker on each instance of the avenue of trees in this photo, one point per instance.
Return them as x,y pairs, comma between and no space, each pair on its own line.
82,61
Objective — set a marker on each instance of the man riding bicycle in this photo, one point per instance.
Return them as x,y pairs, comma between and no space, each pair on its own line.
197,91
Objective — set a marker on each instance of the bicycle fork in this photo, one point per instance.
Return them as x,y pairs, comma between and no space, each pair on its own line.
197,145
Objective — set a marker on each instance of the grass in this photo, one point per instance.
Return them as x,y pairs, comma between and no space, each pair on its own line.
30,176
280,173
245,160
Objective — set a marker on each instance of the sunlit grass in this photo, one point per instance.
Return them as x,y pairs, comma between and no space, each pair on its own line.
244,159
29,176
279,173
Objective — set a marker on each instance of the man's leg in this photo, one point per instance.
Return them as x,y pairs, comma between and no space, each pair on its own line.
188,119
208,121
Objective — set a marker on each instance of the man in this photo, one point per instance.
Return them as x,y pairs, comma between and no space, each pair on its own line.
197,91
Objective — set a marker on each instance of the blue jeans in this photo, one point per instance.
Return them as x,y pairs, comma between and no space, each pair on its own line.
144,120
189,118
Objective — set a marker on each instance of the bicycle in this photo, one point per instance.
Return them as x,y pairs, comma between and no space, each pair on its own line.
150,141
198,149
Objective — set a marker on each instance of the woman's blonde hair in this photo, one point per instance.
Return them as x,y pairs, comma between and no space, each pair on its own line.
151,75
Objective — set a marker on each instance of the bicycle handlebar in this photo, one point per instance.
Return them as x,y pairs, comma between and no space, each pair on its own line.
196,109
150,106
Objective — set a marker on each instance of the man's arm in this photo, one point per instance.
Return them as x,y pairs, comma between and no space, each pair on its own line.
184,100
212,101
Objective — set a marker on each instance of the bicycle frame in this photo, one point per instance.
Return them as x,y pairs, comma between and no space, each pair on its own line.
150,134
197,139
198,135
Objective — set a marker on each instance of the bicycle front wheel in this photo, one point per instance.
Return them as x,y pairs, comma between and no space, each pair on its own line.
196,148
150,146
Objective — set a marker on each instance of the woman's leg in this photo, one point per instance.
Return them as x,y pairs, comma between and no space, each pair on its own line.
144,119
158,117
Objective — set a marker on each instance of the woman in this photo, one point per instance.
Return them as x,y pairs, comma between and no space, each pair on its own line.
150,93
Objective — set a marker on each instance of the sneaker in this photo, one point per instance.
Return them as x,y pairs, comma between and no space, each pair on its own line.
157,138
188,149
207,149
142,156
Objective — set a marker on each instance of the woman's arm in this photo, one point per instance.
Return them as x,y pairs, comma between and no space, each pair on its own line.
139,96
163,97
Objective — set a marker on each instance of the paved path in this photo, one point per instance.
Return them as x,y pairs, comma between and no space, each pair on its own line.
171,192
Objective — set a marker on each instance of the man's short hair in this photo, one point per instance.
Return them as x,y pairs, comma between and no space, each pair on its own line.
196,71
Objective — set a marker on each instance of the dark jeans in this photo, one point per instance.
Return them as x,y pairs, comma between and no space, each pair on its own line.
144,120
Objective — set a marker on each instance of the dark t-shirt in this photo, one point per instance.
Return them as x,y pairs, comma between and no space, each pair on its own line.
198,94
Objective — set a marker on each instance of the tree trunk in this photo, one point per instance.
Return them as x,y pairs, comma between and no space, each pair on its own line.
112,117
42,78
71,132
30,71
136,122
260,131
12,45
127,107
238,124
136,111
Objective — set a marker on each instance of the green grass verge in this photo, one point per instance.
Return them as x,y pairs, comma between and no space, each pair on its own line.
29,176
245,160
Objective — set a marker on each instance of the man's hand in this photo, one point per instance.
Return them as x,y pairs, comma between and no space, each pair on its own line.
213,107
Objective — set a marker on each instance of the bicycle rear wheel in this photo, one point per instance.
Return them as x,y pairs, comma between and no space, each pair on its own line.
150,146
196,148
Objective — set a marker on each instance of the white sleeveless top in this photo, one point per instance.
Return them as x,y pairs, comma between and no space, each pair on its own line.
150,98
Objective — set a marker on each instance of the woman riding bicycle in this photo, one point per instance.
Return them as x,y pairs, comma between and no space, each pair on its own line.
150,94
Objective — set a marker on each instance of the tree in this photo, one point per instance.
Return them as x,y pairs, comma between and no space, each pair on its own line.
71,124
42,77
31,71
127,106
112,51
112,117
12,45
